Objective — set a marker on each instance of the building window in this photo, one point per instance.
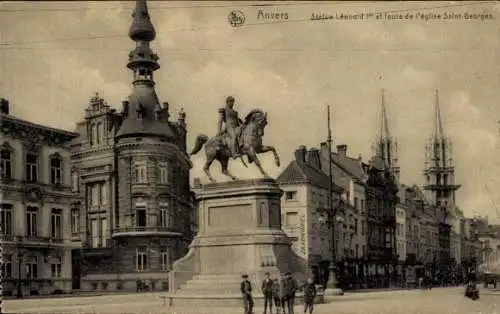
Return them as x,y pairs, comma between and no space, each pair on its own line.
163,173
31,221
6,164
291,219
56,223
140,171
140,213
93,134
166,217
55,268
164,260
75,221
100,133
7,267
55,170
103,193
142,258
290,195
104,231
32,268
356,204
97,194
31,167
74,181
94,233
356,226
6,218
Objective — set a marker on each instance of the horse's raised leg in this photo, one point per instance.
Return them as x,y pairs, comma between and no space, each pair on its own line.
206,168
265,149
224,161
253,156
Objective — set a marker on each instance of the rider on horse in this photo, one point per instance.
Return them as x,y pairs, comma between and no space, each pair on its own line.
233,124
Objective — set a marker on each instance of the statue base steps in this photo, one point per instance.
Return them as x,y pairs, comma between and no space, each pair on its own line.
239,233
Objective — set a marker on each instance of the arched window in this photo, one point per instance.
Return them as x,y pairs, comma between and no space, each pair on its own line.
6,162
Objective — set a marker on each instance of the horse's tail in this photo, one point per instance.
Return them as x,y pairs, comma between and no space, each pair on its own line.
199,142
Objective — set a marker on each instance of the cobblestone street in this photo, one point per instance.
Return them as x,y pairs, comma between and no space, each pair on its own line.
438,301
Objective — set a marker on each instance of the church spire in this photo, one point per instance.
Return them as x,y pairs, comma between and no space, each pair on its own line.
386,146
439,171
437,132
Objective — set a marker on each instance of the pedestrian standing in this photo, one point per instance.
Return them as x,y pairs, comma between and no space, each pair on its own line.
267,291
309,295
246,291
291,288
276,295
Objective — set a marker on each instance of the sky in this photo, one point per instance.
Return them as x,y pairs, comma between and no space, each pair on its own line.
55,55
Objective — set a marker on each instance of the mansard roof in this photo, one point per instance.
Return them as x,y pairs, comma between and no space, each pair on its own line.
23,129
298,172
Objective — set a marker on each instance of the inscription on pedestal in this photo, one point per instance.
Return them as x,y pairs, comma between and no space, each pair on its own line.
232,217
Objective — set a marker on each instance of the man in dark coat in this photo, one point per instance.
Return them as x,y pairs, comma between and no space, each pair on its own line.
291,287
267,291
277,295
246,291
309,295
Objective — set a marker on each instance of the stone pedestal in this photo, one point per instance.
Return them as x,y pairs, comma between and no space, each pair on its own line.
239,233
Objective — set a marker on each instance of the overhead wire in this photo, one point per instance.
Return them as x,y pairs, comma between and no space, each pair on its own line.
4,44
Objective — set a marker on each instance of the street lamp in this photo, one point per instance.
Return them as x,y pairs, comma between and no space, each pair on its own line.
330,218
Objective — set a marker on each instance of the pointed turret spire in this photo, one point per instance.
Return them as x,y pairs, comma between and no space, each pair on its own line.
141,29
146,115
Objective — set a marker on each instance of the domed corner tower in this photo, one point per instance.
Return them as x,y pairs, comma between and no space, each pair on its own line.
152,219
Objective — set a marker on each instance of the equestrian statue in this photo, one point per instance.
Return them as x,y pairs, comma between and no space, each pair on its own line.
235,139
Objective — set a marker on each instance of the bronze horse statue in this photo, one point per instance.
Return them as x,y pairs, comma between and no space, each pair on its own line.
249,144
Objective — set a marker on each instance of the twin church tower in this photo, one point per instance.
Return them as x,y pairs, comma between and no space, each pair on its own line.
439,170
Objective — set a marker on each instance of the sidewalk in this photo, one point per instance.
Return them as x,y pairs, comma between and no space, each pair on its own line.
113,293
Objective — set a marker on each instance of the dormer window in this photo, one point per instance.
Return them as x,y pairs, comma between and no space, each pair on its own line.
55,170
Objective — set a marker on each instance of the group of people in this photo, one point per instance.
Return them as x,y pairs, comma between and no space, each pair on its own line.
280,292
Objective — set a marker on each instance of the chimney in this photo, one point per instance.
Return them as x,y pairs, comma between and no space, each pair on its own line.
4,106
300,154
313,158
342,150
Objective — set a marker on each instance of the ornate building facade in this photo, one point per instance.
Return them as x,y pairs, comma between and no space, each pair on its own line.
37,205
132,172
